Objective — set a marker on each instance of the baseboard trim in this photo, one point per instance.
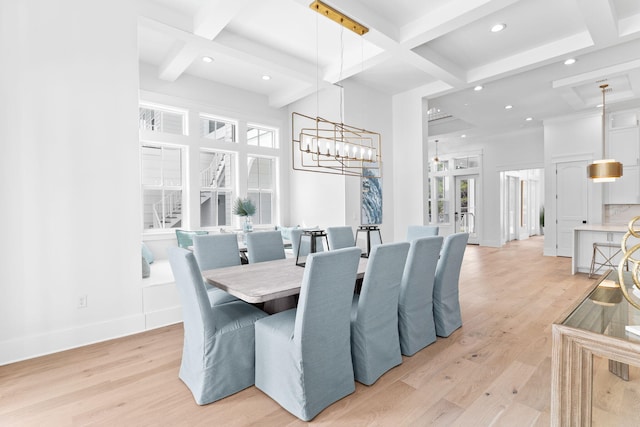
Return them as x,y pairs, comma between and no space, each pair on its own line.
33,346
160,318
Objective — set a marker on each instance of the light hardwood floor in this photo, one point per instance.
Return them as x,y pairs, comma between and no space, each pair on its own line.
495,370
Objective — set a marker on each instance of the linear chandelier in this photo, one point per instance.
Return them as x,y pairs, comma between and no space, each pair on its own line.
605,170
324,146
320,145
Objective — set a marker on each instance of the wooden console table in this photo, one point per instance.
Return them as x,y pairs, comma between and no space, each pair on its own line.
594,327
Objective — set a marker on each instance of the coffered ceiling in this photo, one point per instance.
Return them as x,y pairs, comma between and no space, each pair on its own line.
439,49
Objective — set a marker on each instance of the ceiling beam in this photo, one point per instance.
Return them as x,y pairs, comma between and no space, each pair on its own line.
214,15
177,61
629,25
427,60
189,46
601,21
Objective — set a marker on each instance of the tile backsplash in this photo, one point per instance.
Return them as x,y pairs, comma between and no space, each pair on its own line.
620,214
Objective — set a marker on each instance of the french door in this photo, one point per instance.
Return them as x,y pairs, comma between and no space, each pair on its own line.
466,209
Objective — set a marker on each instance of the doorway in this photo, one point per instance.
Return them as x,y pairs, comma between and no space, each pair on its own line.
466,209
521,204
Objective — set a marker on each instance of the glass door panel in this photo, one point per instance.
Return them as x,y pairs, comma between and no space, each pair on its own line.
466,206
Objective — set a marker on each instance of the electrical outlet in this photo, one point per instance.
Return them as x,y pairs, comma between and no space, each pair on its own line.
82,301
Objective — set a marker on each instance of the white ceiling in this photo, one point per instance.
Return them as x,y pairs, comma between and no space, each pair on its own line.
440,49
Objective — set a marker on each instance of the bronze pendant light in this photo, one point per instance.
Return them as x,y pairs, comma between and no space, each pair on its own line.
605,170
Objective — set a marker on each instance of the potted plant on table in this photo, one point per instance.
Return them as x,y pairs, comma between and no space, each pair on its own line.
245,208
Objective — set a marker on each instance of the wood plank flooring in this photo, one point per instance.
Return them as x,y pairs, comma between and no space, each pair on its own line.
494,371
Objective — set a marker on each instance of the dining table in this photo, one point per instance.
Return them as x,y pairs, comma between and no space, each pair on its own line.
263,282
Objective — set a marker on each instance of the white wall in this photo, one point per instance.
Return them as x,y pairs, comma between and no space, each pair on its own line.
317,199
409,159
71,223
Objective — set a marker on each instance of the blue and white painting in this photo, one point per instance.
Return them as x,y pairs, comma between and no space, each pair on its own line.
371,198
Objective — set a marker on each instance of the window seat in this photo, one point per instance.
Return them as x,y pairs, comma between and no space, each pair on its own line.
160,299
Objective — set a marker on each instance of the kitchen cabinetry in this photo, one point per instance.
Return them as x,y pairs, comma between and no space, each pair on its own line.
626,189
624,146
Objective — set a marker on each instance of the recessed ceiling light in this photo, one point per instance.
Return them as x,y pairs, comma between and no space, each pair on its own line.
463,136
479,87
570,61
599,106
266,77
508,107
498,27
207,59
529,119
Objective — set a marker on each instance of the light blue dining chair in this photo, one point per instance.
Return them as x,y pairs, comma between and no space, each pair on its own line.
375,343
303,355
218,350
216,251
340,237
305,244
446,301
264,246
415,307
417,231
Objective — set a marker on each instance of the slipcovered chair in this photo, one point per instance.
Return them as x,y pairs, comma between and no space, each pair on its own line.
264,246
415,308
375,343
185,237
303,355
216,251
340,237
305,245
417,231
218,351
446,301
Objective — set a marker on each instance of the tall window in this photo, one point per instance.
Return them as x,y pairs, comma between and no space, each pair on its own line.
260,187
216,188
161,186
261,136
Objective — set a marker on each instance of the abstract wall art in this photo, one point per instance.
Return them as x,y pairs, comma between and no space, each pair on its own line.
371,197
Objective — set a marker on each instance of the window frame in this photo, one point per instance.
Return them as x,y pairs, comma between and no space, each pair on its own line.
212,117
162,187
168,109
232,190
272,191
275,131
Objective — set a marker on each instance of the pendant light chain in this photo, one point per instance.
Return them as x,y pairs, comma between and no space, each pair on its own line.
603,87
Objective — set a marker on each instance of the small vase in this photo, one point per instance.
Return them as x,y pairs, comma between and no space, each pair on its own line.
247,226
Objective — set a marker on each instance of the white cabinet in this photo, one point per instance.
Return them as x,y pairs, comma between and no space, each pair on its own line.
624,146
625,190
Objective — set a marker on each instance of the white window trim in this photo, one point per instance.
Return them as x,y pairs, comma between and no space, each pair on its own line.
161,107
